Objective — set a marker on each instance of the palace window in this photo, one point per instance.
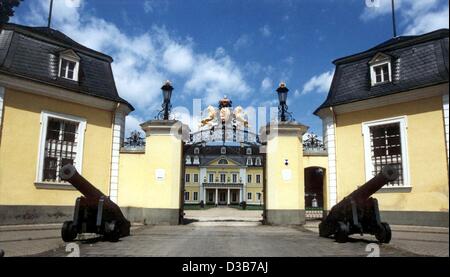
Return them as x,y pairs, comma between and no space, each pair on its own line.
249,178
196,160
223,161
186,195
196,151
385,143
258,195
69,63
249,161
61,143
380,69
235,177
222,177
248,151
188,159
211,177
195,178
223,150
258,178
188,178
249,196
258,161
195,196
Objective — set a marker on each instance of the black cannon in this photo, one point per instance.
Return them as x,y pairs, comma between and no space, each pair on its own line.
94,212
359,213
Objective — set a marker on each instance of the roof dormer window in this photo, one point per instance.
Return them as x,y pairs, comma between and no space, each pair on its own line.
380,69
69,64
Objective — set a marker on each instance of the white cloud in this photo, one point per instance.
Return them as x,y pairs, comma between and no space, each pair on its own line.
132,123
151,6
266,84
143,61
178,58
320,83
242,42
265,31
214,78
413,16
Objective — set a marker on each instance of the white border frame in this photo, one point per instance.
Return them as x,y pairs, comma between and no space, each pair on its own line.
404,143
43,133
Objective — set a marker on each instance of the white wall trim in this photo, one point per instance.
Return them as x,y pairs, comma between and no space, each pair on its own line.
43,133
57,93
404,145
117,139
330,144
2,96
445,110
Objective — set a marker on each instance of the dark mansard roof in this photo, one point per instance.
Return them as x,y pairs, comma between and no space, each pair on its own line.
210,153
33,53
417,61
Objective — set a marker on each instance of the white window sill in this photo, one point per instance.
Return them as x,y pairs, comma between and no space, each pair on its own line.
395,189
54,186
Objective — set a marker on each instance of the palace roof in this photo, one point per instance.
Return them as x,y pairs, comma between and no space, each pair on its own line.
33,53
416,62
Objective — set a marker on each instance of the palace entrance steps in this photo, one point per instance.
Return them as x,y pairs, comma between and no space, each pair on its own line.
223,216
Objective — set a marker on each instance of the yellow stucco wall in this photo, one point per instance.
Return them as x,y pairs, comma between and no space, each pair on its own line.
20,143
285,194
138,186
426,148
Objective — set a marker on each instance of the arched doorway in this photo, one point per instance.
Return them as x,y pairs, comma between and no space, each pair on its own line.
314,192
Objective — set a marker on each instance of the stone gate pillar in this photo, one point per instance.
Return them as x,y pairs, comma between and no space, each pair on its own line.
163,162
285,188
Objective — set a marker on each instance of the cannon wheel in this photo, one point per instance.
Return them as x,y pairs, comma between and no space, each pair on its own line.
342,232
68,231
384,233
112,232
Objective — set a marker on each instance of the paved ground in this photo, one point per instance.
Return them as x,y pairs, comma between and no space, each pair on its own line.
223,216
222,232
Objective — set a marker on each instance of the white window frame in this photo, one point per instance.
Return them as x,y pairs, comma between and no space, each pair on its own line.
196,151
187,177
402,120
195,196
188,159
71,57
45,115
258,176
248,151
196,160
196,177
186,193
234,178
249,196
249,179
258,161
373,74
249,161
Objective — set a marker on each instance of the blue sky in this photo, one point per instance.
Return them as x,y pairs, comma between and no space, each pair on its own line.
238,48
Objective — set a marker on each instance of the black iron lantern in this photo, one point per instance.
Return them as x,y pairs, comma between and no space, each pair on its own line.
167,95
282,91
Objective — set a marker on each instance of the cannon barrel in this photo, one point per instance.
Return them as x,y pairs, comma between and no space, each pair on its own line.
70,174
387,174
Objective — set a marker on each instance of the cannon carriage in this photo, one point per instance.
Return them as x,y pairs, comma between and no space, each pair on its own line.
359,212
94,212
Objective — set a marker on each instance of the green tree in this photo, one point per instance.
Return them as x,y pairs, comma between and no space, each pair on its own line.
6,10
